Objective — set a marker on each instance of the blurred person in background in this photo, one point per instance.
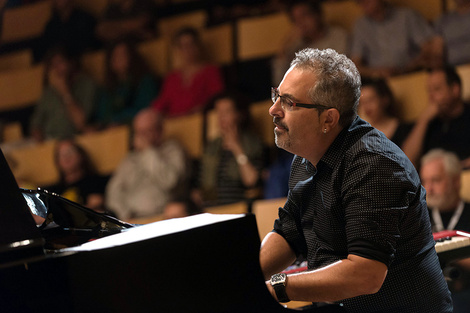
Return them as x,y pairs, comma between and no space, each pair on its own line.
377,106
441,177
445,123
67,100
232,162
309,30
453,26
128,88
391,40
150,175
187,89
78,178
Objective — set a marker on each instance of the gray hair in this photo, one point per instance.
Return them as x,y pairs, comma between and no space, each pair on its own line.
450,160
338,82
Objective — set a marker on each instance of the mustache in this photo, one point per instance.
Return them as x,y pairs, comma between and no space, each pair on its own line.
277,122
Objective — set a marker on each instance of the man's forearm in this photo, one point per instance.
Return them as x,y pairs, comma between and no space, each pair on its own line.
275,254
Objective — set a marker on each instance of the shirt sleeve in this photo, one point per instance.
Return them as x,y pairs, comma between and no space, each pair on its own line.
377,192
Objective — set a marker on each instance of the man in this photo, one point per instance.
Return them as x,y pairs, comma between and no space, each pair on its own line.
445,123
453,27
356,209
440,173
389,40
309,30
147,178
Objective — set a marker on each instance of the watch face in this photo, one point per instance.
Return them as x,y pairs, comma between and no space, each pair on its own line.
278,278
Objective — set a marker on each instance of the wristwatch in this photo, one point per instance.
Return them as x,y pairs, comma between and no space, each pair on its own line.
279,281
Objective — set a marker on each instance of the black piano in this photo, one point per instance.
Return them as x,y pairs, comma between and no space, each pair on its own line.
77,260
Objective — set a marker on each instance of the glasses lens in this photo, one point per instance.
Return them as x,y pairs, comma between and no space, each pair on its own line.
274,94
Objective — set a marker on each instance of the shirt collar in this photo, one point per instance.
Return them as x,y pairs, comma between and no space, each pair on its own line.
348,136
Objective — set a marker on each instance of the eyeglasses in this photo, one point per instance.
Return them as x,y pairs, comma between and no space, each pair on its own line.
288,105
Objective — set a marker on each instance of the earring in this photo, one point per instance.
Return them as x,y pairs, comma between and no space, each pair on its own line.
324,131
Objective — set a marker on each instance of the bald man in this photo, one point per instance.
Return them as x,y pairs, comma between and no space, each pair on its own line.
147,178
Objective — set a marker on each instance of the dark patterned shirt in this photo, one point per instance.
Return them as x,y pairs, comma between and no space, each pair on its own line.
365,198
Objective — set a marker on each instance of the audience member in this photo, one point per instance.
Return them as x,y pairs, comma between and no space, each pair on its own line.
310,30
445,123
70,27
389,40
377,106
440,174
232,163
67,100
78,179
127,18
128,88
148,177
188,89
453,26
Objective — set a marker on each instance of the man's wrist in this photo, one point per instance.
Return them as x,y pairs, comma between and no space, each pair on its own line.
279,283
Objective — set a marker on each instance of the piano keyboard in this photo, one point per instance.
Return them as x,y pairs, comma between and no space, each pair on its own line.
452,245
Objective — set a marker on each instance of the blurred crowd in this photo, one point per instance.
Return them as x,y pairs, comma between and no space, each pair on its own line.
236,165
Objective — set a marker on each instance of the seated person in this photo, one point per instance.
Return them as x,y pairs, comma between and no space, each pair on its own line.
67,99
310,30
377,106
453,26
440,174
78,179
389,40
188,89
150,175
445,123
232,163
129,87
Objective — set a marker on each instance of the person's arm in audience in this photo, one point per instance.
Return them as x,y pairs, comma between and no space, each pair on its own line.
232,142
413,144
74,109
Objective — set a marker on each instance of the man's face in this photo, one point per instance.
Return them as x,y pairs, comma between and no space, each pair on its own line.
298,130
146,133
442,190
439,92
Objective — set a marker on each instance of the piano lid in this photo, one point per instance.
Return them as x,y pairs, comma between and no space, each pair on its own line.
16,221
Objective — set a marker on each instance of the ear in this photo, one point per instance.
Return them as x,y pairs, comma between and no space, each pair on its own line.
331,119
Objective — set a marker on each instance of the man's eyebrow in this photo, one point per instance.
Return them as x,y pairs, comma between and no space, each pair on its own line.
289,96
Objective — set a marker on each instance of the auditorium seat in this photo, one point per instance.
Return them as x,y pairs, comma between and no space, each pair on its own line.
464,72
262,121
35,163
261,37
188,131
94,7
25,22
11,132
106,148
342,13
266,212
465,188
20,88
410,94
429,9
155,53
218,43
94,64
16,60
168,26
233,208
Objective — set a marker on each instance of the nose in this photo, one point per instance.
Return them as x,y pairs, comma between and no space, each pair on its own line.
275,109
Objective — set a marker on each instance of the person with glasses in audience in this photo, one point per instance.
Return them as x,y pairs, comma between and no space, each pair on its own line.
356,209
